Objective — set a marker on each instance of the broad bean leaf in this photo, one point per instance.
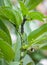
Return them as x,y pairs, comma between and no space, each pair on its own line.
14,63
4,32
24,10
12,15
5,3
4,36
8,53
34,38
35,16
36,33
31,4
17,48
27,60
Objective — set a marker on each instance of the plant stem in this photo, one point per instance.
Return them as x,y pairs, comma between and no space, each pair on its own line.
22,25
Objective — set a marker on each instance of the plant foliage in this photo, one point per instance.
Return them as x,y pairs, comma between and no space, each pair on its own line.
20,53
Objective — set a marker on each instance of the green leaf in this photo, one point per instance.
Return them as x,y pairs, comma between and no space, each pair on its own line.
31,4
27,29
5,3
3,62
27,59
35,16
5,34
40,43
43,46
14,63
37,55
38,38
8,53
18,18
31,63
39,64
36,33
17,48
1,55
23,8
12,15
